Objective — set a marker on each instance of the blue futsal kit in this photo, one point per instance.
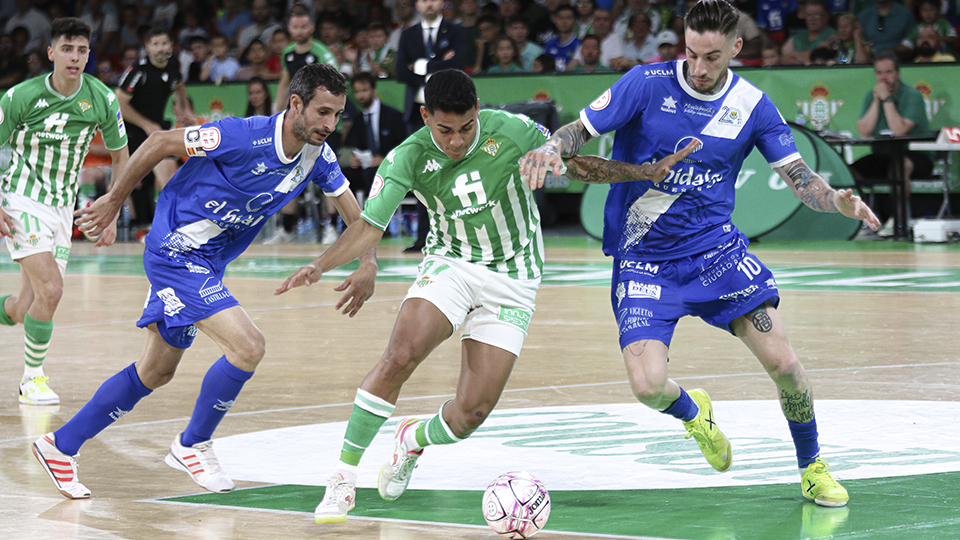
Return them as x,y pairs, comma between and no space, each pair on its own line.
213,208
676,252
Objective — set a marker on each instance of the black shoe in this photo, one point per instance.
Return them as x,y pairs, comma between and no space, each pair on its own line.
416,247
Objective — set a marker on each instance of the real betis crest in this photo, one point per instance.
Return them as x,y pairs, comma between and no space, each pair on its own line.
491,147
933,105
820,109
85,106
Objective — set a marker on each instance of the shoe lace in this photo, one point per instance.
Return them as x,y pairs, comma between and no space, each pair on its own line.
408,462
338,489
205,451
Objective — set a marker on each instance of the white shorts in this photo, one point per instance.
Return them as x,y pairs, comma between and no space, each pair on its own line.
40,228
486,306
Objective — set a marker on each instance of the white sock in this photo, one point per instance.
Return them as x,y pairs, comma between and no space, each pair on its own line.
31,372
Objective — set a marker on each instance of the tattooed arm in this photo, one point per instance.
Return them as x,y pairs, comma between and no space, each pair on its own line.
597,170
566,142
814,192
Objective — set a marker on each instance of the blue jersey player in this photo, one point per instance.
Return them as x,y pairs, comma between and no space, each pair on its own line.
240,172
675,250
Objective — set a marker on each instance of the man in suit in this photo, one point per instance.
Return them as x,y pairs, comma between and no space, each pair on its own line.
379,129
425,48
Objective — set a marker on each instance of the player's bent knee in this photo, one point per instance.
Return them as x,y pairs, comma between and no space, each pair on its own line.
247,356
648,393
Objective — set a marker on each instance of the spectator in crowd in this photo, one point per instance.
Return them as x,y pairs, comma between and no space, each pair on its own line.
13,68
508,57
468,15
544,64
624,25
129,57
191,27
771,53
752,37
164,13
36,64
219,67
105,71
667,47
611,44
641,48
377,58
259,102
330,38
200,49
130,30
429,46
823,56
585,12
377,131
233,19
590,52
565,45
772,17
508,10
333,10
262,27
886,24
486,54
278,42
928,47
35,21
930,16
20,37
848,41
540,16
796,51
892,107
104,25
255,64
406,16
518,30
304,50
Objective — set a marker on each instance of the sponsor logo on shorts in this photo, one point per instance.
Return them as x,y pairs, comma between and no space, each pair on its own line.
601,102
621,292
171,304
639,267
33,240
196,269
213,291
61,253
424,281
643,290
517,317
742,294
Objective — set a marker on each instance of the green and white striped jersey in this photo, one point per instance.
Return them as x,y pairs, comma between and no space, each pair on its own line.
480,211
50,134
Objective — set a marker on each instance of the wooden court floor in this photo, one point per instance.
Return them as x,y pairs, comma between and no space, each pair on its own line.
855,344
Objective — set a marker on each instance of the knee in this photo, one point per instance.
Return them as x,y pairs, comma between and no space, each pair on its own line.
468,417
650,393
48,293
398,363
786,371
155,376
248,354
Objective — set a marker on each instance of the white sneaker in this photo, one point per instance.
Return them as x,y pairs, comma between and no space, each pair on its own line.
395,474
280,237
36,392
339,499
200,461
61,468
330,234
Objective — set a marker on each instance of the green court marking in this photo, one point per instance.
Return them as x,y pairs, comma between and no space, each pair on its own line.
902,508
590,274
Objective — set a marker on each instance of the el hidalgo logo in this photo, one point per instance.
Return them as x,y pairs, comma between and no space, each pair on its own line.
933,105
819,110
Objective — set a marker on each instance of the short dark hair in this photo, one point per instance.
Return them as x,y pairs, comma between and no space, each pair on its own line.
821,3
364,76
450,91
298,10
157,31
548,62
887,55
565,7
592,37
713,16
69,27
515,20
313,76
198,39
377,26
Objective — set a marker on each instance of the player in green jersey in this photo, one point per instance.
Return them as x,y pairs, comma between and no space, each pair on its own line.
480,274
48,123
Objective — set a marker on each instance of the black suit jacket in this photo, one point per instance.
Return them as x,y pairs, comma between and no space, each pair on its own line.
392,129
450,37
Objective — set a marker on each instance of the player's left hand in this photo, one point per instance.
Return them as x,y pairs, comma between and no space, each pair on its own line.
304,277
359,286
853,206
94,220
107,237
535,165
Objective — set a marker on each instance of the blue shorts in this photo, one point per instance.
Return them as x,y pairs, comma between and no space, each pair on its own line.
718,286
181,293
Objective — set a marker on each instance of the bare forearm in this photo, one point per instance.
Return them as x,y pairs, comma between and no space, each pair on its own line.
811,189
358,240
897,123
868,122
597,170
569,139
136,168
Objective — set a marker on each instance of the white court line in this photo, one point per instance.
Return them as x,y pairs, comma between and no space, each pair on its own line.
509,390
386,520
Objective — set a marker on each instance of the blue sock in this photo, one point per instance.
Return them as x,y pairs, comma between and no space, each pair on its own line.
115,398
220,388
805,440
683,408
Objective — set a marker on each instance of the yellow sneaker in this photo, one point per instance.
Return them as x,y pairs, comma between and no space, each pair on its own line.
713,443
818,485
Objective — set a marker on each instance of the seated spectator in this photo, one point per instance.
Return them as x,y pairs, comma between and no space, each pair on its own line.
624,25
129,57
262,27
103,24
544,64
330,38
200,49
751,35
259,102
797,49
518,30
667,47
848,41
822,56
377,58
564,46
885,25
772,16
278,42
13,68
641,48
508,57
930,17
255,59
928,47
611,44
590,52
486,55
34,21
585,12
467,16
105,71
219,67
191,27
36,64
233,19
164,12
130,29
771,54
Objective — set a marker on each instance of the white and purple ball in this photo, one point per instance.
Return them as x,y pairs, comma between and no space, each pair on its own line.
516,505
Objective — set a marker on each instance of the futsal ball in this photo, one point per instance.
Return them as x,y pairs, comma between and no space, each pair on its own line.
516,505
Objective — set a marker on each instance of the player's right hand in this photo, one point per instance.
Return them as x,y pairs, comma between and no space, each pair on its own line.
536,163
6,225
304,277
97,218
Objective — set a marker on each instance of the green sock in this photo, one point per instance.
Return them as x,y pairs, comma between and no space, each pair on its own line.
4,318
36,338
369,414
88,190
436,431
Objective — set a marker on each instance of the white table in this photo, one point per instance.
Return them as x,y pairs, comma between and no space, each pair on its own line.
947,149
